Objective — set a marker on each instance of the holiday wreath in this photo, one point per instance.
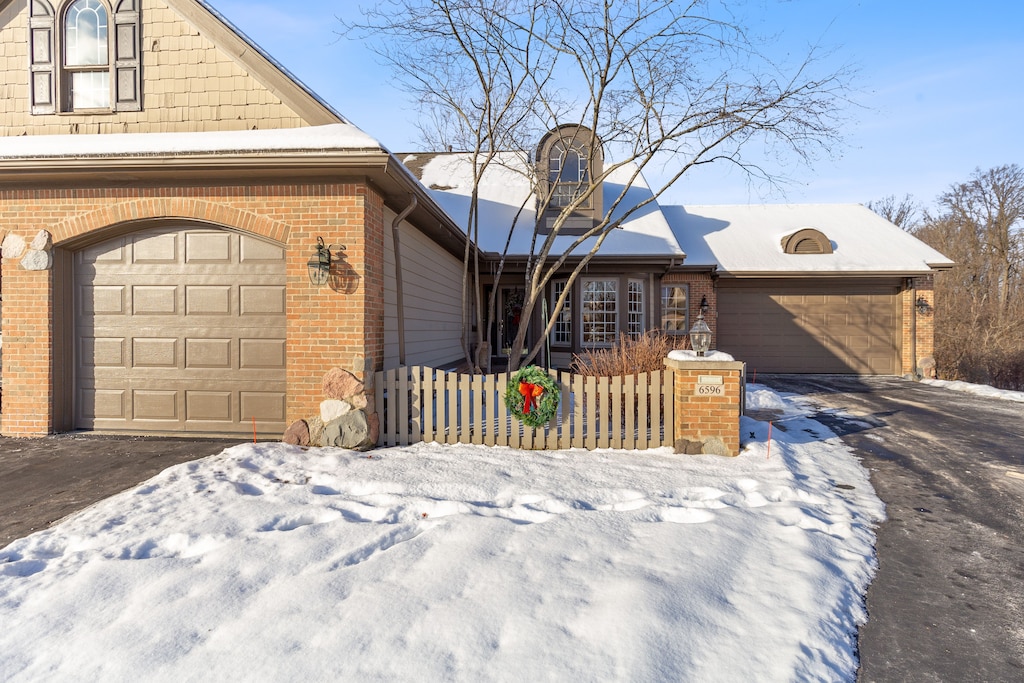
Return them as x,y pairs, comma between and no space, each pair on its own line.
532,396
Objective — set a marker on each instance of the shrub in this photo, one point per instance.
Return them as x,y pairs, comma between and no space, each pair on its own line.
629,356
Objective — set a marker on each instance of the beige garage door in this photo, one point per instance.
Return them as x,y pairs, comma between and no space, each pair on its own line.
180,329
827,327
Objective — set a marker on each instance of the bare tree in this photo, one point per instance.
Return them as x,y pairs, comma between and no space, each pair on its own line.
902,212
662,85
980,311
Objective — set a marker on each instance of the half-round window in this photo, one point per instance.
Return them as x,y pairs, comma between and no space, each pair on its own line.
807,241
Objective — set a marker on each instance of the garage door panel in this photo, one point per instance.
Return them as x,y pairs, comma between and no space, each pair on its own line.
778,326
176,333
208,300
206,247
161,248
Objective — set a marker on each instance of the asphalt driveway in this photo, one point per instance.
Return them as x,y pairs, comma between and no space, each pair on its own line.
947,603
44,480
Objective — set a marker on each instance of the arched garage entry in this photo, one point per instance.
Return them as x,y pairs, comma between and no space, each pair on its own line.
180,328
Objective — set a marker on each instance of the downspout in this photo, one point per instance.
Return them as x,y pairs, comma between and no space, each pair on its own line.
912,284
398,275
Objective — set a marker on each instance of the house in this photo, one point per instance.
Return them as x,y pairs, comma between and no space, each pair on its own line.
167,191
163,185
816,288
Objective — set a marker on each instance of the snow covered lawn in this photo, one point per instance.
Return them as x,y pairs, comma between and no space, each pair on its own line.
271,563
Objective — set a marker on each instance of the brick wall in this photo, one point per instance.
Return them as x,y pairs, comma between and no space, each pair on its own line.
325,327
700,418
918,329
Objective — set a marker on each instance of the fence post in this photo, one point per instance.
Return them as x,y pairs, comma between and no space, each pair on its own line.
707,398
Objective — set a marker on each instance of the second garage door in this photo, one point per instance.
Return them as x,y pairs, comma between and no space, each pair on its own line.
826,327
180,329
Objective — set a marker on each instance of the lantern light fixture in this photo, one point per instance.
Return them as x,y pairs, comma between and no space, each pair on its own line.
923,307
319,263
700,336
704,305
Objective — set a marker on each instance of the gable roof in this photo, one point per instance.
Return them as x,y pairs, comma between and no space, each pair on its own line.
258,62
505,193
747,240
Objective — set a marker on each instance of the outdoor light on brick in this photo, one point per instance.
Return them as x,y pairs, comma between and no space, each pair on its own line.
700,336
922,306
320,264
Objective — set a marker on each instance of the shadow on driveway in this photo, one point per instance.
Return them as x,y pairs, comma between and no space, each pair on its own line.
44,480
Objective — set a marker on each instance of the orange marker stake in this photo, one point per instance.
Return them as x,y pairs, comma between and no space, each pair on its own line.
254,429
769,454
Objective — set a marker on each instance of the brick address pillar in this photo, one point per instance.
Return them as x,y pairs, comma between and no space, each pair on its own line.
706,416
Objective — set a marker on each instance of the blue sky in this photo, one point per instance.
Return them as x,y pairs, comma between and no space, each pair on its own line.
938,93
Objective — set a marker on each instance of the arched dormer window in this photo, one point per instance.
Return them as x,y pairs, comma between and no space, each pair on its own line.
569,157
568,172
807,241
86,55
81,60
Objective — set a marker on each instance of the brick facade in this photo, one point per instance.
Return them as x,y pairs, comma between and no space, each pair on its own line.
918,328
325,327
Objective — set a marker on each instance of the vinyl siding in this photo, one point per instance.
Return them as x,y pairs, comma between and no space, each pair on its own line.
432,289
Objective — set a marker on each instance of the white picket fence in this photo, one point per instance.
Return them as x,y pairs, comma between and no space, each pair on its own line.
424,404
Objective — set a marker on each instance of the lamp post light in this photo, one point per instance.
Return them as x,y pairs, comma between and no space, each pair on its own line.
923,307
700,336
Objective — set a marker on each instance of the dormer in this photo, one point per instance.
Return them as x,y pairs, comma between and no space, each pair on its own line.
807,241
568,159
84,56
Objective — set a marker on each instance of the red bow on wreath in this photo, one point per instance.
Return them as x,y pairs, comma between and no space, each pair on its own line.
530,392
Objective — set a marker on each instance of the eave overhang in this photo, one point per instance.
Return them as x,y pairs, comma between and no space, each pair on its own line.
379,169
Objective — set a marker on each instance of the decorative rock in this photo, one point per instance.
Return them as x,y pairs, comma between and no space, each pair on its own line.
297,433
42,241
371,405
373,421
13,246
316,431
332,409
687,447
37,260
358,401
715,446
341,384
349,431
926,366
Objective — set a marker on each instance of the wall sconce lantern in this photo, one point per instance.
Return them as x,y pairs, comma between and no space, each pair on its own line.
704,305
700,336
319,264
923,307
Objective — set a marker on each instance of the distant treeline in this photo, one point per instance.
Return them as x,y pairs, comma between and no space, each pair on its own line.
979,304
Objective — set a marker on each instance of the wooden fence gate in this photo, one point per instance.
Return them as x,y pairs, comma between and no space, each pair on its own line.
424,404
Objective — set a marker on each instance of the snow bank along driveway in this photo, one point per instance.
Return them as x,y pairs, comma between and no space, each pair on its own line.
268,562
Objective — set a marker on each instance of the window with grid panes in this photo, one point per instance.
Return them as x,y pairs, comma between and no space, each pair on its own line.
599,311
561,333
674,311
635,309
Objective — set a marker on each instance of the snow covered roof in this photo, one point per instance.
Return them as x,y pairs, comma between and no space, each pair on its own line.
747,239
323,139
505,190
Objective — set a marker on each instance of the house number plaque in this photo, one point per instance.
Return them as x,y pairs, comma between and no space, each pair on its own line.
709,385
